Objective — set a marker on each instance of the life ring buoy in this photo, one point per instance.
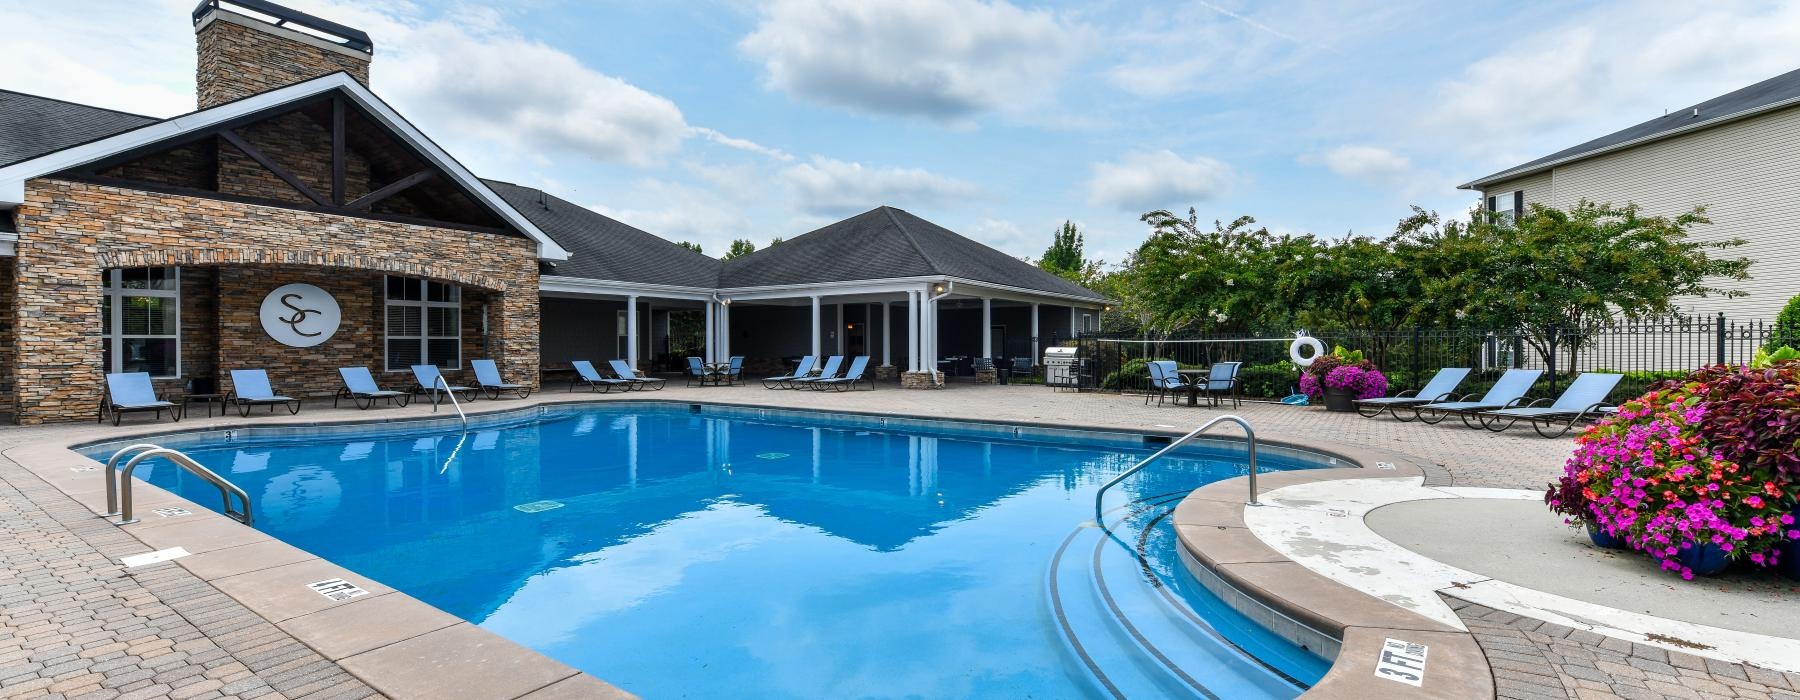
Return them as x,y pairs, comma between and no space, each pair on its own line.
1318,349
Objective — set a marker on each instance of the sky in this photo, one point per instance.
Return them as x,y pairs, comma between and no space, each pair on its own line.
710,120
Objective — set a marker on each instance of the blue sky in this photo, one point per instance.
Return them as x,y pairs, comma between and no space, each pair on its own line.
708,121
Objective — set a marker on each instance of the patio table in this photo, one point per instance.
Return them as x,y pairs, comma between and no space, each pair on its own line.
718,372
1193,378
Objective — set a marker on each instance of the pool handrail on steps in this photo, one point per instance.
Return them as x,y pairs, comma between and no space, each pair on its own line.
453,402
1249,438
112,483
226,488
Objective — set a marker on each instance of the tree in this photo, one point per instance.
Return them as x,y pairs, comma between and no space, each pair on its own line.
739,248
1787,327
1063,257
690,245
774,241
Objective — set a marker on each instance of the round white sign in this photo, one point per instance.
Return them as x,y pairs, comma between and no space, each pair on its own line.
300,315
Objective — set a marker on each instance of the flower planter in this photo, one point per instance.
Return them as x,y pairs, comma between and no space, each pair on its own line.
1703,559
1603,540
1339,400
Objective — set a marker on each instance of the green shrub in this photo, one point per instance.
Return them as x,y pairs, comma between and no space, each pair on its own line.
1787,327
1273,380
1134,375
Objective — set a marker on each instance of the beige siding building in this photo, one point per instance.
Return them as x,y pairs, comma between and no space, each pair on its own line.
1737,154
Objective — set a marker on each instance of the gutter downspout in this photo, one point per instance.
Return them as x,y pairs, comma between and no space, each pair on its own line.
937,377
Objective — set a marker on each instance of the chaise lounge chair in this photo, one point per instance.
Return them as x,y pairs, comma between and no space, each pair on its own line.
586,374
130,392
781,382
1586,396
487,374
360,388
1506,393
432,382
847,382
1441,388
638,381
831,370
250,388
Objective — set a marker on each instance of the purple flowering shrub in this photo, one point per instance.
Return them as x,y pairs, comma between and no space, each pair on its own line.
1679,468
1346,371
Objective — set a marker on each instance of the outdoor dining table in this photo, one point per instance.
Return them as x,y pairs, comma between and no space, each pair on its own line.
1194,378
718,372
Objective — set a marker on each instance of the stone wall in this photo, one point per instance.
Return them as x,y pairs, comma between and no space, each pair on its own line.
239,57
71,231
7,295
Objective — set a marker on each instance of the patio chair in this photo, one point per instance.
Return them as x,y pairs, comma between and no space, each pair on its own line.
250,388
432,382
1586,396
847,382
1506,393
1164,379
638,381
586,374
781,382
1222,380
697,372
130,392
734,370
1440,388
830,371
360,388
487,374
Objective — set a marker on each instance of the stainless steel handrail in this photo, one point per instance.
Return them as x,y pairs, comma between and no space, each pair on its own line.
458,406
112,482
226,488
1249,437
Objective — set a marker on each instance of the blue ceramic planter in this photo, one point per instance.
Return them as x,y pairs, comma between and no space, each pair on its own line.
1704,559
1603,540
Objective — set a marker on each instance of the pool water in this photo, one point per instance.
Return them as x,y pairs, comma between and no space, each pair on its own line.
738,553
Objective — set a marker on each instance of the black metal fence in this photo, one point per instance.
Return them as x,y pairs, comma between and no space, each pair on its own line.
1645,352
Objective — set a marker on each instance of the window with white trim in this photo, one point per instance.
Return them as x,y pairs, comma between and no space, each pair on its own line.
1509,205
141,320
424,324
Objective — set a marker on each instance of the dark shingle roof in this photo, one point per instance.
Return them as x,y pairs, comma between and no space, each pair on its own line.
31,126
604,249
884,243
1774,92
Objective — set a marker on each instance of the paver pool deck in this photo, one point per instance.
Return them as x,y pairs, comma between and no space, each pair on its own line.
75,623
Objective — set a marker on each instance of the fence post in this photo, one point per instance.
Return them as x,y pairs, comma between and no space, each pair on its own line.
1721,333
1415,356
1552,360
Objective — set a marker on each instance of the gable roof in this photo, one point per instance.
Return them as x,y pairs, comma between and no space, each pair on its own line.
31,126
13,175
887,243
605,249
1779,92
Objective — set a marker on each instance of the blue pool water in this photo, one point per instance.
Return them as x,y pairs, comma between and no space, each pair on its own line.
743,553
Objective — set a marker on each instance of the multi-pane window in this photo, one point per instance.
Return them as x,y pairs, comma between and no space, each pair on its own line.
1508,205
424,324
141,320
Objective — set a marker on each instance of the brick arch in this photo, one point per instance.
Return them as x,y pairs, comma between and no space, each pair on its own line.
195,257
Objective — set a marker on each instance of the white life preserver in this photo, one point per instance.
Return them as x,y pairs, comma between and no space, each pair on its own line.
1318,349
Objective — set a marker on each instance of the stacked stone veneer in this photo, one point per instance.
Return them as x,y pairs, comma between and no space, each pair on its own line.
240,56
70,232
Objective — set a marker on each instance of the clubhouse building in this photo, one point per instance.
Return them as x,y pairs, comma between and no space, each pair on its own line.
296,223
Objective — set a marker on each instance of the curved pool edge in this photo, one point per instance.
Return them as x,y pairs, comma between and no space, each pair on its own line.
1310,609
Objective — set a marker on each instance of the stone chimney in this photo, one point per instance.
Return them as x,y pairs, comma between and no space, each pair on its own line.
251,46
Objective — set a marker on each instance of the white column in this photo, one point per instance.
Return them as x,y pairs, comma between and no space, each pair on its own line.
1074,322
815,326
724,333
887,336
841,330
712,332
912,331
930,351
631,332
987,327
1099,315
1034,337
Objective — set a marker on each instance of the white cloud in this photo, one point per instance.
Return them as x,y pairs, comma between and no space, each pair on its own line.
741,144
940,59
681,212
140,59
1362,162
1004,235
1145,180
829,187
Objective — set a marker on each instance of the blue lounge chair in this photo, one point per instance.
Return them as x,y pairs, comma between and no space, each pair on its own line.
1586,396
1221,380
1165,379
847,382
487,374
1442,387
250,388
433,384
129,392
697,373
735,370
586,374
831,370
1509,391
360,388
805,369
638,381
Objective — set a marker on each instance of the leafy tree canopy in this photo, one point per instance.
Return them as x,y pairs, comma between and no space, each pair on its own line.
690,245
739,248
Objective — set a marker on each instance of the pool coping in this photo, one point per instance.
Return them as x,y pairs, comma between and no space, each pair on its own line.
401,646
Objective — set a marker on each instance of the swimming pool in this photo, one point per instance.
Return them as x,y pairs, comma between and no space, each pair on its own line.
690,551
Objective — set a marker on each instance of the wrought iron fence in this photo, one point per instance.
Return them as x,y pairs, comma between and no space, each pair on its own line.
1644,351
